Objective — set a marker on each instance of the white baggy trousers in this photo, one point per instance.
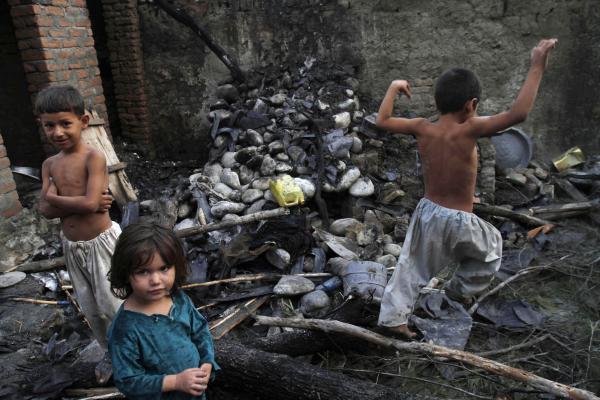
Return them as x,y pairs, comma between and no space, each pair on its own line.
88,263
436,237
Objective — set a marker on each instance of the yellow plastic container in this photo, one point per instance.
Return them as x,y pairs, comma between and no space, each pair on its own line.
286,191
570,158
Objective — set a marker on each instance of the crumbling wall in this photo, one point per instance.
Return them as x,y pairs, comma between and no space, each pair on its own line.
380,41
9,198
16,116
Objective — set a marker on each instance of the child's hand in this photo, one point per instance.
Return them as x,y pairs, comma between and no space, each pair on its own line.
105,202
192,381
207,368
402,86
52,190
539,54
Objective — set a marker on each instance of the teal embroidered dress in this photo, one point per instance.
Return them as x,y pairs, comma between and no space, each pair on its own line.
145,348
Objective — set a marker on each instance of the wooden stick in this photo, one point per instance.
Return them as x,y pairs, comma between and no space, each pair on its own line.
570,189
487,209
43,265
255,277
36,301
221,327
519,274
246,219
495,367
515,347
95,393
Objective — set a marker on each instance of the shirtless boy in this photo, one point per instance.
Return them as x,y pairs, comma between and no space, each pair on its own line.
74,189
443,227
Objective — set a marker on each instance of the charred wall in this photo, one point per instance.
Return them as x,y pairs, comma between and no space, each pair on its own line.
379,41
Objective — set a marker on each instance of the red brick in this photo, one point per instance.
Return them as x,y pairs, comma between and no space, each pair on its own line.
48,43
1,139
25,21
69,43
4,163
12,208
60,3
83,23
78,3
64,22
29,9
34,55
2,151
51,10
45,21
88,42
7,187
59,33
81,74
26,33
77,32
14,2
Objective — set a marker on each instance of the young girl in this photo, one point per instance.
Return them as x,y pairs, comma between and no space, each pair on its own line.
159,344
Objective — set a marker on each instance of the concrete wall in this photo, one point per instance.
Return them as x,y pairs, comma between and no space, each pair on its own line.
381,40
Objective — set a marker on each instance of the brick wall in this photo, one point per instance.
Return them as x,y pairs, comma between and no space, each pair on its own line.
57,47
9,199
125,52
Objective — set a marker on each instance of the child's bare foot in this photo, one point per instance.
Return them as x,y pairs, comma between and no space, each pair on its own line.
402,330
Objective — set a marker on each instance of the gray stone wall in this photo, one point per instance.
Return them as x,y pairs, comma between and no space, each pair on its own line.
381,41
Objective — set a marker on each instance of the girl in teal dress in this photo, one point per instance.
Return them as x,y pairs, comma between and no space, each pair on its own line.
159,344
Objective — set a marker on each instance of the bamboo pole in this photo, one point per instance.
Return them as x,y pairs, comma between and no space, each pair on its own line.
495,367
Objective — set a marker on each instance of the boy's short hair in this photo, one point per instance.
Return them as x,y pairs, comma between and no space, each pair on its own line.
454,88
55,99
136,246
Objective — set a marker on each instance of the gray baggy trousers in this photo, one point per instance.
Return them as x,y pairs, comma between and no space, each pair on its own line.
436,237
88,263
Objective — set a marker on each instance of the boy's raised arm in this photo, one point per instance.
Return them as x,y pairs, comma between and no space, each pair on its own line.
488,126
92,201
384,116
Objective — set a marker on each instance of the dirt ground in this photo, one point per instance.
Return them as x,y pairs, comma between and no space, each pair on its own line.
41,345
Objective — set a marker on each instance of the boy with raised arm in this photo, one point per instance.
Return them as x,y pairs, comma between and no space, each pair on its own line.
74,189
443,227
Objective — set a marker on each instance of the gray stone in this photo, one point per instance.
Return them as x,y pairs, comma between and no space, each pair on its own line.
291,285
261,183
357,145
251,195
275,147
296,153
282,157
388,260
278,99
267,167
363,187
260,106
342,120
268,137
348,179
315,304
226,207
228,160
393,249
246,175
223,189
230,178
231,217
213,172
255,207
279,258
184,210
228,92
340,226
282,167
254,138
346,105
308,188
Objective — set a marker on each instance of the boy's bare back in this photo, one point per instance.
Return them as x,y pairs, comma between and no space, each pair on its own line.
448,146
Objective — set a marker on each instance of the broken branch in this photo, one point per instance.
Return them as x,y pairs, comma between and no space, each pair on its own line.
487,209
246,219
495,367
254,277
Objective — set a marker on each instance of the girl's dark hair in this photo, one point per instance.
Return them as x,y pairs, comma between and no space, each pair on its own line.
136,246
55,99
454,88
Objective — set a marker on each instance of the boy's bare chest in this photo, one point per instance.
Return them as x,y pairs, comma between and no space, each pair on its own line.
70,175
